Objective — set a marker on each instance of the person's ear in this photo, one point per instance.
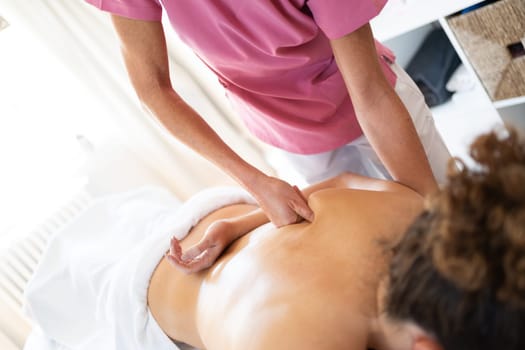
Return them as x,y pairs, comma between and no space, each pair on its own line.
426,343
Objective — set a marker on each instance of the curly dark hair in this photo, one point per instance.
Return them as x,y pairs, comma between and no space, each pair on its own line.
459,272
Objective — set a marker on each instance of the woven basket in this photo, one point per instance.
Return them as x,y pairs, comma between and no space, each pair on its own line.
492,38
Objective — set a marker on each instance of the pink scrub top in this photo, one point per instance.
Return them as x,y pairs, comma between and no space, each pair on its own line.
274,59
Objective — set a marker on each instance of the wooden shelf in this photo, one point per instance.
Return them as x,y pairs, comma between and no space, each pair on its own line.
401,16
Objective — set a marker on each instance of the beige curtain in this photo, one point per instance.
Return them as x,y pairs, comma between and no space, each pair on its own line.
82,37
14,328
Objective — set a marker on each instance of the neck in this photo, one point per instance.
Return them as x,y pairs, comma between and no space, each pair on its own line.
385,333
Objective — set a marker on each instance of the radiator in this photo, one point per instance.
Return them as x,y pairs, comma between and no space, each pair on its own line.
20,258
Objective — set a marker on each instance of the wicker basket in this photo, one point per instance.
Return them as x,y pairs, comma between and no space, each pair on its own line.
493,37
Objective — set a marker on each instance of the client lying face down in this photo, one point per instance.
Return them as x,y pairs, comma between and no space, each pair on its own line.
304,286
351,279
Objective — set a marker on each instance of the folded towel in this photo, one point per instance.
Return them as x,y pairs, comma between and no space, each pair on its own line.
461,80
90,288
432,66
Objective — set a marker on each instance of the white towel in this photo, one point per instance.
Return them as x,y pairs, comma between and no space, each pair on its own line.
90,288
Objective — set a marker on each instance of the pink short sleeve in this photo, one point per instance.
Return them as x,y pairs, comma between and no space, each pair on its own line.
336,18
146,10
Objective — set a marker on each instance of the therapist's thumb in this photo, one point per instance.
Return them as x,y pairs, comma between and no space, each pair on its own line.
302,210
305,212
301,206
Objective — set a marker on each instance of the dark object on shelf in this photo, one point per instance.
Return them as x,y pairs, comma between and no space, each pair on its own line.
432,66
492,38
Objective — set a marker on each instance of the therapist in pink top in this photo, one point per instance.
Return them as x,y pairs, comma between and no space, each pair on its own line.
305,76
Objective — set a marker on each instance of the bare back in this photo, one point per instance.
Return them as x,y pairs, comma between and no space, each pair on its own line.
308,286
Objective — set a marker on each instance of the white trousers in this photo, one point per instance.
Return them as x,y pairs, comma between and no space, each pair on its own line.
359,157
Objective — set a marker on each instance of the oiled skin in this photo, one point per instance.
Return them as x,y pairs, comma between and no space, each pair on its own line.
303,286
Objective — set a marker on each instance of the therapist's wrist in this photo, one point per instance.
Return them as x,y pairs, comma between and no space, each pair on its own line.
251,179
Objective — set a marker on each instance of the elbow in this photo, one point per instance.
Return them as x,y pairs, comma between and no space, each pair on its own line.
146,90
143,93
372,92
150,92
149,83
146,99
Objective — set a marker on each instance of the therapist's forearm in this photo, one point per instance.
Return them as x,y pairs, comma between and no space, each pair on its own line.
391,132
381,113
281,202
191,129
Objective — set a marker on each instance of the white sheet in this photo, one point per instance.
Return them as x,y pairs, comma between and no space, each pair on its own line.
90,289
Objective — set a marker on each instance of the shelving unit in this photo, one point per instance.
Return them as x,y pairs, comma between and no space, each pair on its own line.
401,16
402,26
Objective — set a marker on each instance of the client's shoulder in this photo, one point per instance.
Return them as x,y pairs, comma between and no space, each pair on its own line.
364,215
390,196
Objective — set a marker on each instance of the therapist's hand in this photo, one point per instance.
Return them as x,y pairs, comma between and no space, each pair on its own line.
202,255
282,203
